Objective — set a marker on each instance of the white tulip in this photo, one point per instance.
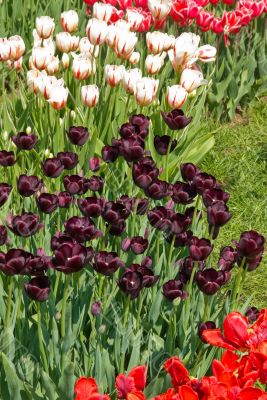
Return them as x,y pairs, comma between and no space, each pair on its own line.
154,63
130,77
96,31
185,48
34,80
90,95
159,8
125,44
5,49
58,97
67,43
17,47
41,57
135,57
206,53
191,79
134,18
45,26
83,67
53,67
145,91
114,74
69,21
102,11
87,48
176,96
65,60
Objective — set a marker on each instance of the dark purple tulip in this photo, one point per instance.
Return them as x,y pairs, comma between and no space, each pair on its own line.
186,267
69,258
110,153
115,211
75,184
174,289
38,288
227,258
127,201
38,264
68,159
3,235
131,283
47,203
106,263
14,262
160,218
24,141
61,238
131,149
250,245
162,144
96,308
65,199
200,249
52,167
118,228
5,190
94,164
176,119
137,244
95,183
147,262
128,130
78,135
218,214
142,122
209,281
183,193
180,239
142,206
144,172
252,314
203,181
179,223
82,229
158,190
202,326
28,185
149,279
188,171
91,206
24,225
7,158
210,196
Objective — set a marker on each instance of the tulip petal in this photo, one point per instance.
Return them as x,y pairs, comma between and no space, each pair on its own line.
236,329
215,337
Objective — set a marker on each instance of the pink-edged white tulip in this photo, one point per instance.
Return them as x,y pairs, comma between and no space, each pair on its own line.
191,79
176,96
102,11
169,42
159,8
90,95
129,79
114,74
66,42
145,91
154,63
184,50
155,41
34,80
125,44
53,67
45,26
96,31
87,48
17,47
134,18
69,21
5,49
83,67
135,57
206,53
58,96
41,57
115,30
65,60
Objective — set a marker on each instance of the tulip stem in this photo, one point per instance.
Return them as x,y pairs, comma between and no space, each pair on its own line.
9,300
238,279
195,212
40,337
170,256
64,305
125,319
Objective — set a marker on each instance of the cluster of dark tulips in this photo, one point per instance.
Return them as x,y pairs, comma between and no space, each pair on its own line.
103,219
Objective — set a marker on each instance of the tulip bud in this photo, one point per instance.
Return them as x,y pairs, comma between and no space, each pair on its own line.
69,21
7,158
41,57
96,308
90,95
153,64
125,44
94,164
78,135
53,67
206,53
66,43
134,58
65,60
96,31
191,79
87,48
145,90
130,77
114,74
38,288
159,8
83,67
102,11
45,27
17,47
158,41
58,97
176,96
176,119
173,289
28,185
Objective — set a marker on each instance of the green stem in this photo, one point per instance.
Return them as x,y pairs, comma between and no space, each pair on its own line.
64,305
141,299
40,337
237,284
9,300
125,319
170,256
56,284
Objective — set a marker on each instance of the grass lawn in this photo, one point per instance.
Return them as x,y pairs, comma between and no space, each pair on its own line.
239,162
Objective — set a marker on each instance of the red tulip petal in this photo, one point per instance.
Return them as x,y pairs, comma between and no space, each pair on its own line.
124,385
139,376
250,394
236,329
136,396
215,337
176,370
187,393
84,387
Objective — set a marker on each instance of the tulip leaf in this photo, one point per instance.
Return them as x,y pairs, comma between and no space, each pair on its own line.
13,382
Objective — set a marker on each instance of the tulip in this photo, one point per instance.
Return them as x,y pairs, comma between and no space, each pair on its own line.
69,21
158,190
210,281
131,149
38,288
96,31
134,57
131,283
185,48
176,96
163,144
107,263
137,244
183,193
160,218
149,279
191,79
189,171
118,228
24,225
45,27
109,153
75,184
41,57
47,203
202,326
3,235
78,135
81,229
87,48
66,43
91,206
144,172
142,206
69,258
114,212
145,91
252,314
159,8
218,214
7,158
68,159
186,267
154,63
61,238
125,44
5,49
83,67
134,18
52,167
17,47
210,196
156,41
141,124
24,141
53,66
176,119
15,261
173,289
206,53
96,308
35,80
130,78
227,258
102,12
5,190
114,74
250,246
94,164
65,199
58,97
95,183
90,95
203,181
28,185
65,60
200,249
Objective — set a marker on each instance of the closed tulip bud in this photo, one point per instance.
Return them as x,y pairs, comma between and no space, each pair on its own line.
17,47
87,48
114,74
189,171
102,11
41,57
28,185
52,167
7,158
53,67
65,199
144,172
66,43
94,164
200,249
106,263
145,90
176,119
154,64
69,258
159,8
69,21
163,144
191,79
218,215
125,44
65,61
206,53
58,96
176,96
109,153
96,308
45,27
173,289
47,203
131,283
24,225
96,31
3,235
134,57
130,78
5,190
38,288
78,135
250,245
83,67
90,95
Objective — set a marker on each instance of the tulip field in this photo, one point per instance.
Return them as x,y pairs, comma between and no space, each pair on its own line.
121,275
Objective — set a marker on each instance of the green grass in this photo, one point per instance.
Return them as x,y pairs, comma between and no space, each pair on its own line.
239,162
